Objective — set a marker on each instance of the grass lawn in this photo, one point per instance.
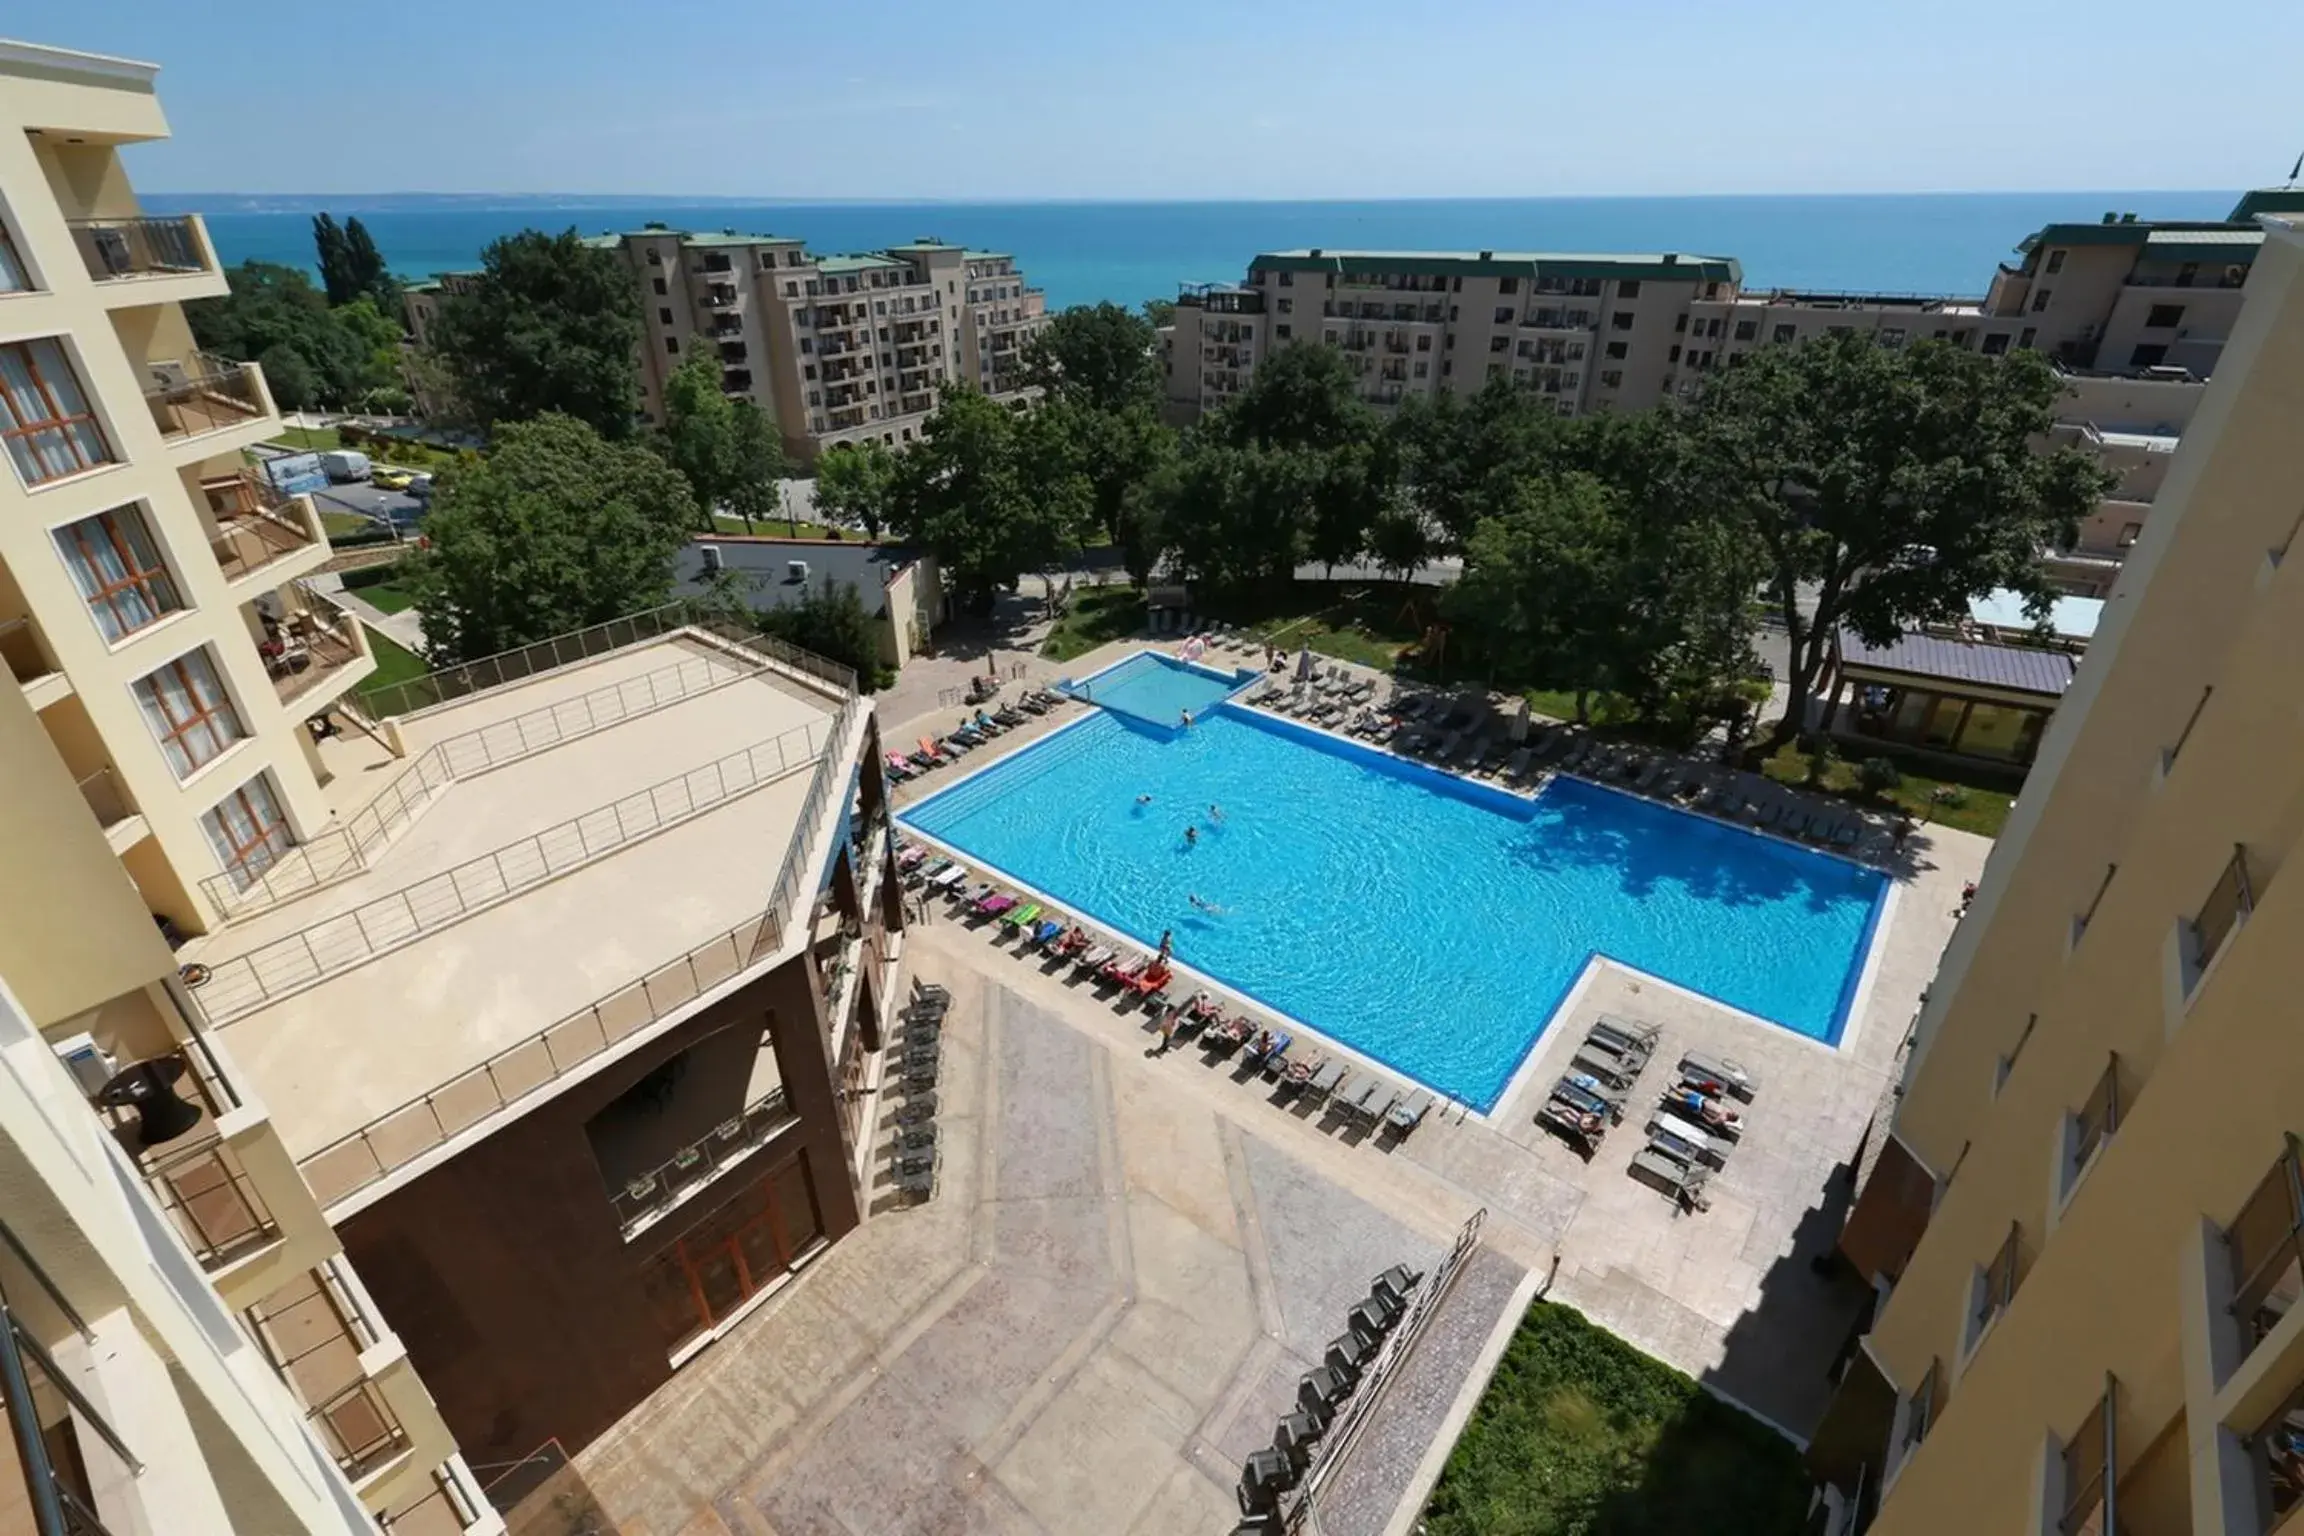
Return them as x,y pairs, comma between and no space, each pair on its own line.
1368,623
1097,615
339,524
1980,810
778,528
406,454
395,663
1579,1434
387,596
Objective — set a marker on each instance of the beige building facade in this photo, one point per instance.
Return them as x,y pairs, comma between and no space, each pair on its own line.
836,349
2085,1215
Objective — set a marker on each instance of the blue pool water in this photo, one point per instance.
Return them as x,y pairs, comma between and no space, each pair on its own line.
1426,921
1156,688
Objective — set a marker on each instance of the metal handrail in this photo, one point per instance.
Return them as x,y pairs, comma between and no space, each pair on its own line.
212,392
419,1124
116,248
343,851
244,983
652,1193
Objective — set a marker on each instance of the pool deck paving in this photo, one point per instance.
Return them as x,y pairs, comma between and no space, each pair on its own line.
1132,1254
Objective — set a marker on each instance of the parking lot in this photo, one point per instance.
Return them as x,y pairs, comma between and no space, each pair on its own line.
369,502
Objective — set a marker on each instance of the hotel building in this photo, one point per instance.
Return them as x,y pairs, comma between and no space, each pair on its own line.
189,1348
2083,1208
836,349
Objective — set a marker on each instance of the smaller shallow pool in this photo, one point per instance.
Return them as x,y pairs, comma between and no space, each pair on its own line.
1157,689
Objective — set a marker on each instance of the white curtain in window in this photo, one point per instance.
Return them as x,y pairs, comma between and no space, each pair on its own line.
247,831
189,710
13,278
43,452
92,554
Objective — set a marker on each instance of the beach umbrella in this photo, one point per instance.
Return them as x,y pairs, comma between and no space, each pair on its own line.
1303,663
1519,731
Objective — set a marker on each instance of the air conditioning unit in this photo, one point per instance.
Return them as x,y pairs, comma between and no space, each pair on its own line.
796,572
90,1064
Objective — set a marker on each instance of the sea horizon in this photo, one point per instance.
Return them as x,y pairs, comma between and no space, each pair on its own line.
1131,250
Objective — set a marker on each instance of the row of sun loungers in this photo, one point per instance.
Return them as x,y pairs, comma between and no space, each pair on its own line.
1355,1095
973,731
914,1059
1270,1472
1692,1127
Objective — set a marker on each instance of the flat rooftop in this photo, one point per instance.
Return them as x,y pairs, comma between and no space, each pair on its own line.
363,1041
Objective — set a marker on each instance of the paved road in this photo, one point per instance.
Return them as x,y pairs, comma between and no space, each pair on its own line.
369,502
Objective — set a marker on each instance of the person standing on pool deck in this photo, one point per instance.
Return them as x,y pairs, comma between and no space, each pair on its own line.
1167,943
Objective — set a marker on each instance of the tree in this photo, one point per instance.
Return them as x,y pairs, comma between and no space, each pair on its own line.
335,260
549,324
856,482
756,466
1301,396
1546,583
364,266
1888,486
831,620
555,530
699,436
1159,312
1098,355
272,311
976,493
1399,540
1235,516
1461,457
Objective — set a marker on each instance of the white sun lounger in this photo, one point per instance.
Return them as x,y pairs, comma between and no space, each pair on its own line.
1732,1075
1695,1136
1409,1113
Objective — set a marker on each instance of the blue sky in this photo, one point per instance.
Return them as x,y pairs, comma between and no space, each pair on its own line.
1202,98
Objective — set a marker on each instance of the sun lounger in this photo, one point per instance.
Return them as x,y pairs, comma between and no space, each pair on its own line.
1670,1128
1328,1079
1516,766
1409,1113
976,894
1580,1125
1606,1065
1023,919
1731,1075
1625,1035
1590,1097
1275,1061
1231,1033
1377,1101
1119,971
996,905
1846,834
1684,1182
1152,981
1095,958
949,878
921,873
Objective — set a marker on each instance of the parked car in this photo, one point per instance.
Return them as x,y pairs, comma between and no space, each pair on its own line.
345,464
419,486
387,477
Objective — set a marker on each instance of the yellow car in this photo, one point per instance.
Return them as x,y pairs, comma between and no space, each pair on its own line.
386,478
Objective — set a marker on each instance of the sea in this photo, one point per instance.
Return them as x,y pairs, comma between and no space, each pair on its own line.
1082,252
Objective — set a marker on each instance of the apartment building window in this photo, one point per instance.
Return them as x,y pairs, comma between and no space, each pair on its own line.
1283,330
2040,299
2094,1123
2055,263
1617,350
658,285
44,415
1508,285
1499,343
1671,353
808,370
1287,279
1747,330
2272,1451
1782,336
655,257
1892,337
694,1284
1680,325
1620,320
247,831
2162,317
2148,354
2026,337
185,704
1630,290
1995,1287
1610,378
13,277
1996,344
1920,1409
1287,306
118,570
1423,370
1503,314
2219,917
672,344
663,316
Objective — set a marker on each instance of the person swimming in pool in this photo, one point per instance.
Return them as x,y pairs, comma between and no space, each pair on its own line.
1215,813
1203,904
1187,714
1143,799
1191,834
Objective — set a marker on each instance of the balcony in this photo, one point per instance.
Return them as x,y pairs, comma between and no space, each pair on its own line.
255,526
727,325
720,295
115,809
313,650
196,396
127,251
56,1434
31,663
450,1505
645,1198
913,403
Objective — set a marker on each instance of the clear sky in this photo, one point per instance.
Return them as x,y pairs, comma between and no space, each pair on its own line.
1202,98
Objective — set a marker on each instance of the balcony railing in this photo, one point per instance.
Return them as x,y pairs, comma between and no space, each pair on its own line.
316,640
448,1508
2267,1249
202,394
400,1137
255,523
352,938
198,1178
650,1195
116,248
314,1334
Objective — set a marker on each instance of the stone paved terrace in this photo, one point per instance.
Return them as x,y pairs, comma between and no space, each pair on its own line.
1101,1312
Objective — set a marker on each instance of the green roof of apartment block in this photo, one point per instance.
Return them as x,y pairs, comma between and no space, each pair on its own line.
988,256
2268,200
925,245
732,237
2131,231
855,263
1658,266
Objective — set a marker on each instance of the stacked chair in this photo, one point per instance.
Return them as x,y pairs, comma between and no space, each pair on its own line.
915,1058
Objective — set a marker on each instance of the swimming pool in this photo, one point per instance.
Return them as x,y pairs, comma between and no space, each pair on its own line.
1422,919
1157,689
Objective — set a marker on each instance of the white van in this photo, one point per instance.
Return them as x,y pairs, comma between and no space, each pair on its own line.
345,464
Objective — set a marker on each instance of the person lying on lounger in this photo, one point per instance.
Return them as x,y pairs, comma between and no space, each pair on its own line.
1709,1110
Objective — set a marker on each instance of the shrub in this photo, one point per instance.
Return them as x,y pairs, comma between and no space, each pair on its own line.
1825,753
1949,795
1878,776
372,575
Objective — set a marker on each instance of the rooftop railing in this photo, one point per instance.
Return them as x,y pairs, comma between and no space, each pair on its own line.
528,1068
115,248
340,943
522,662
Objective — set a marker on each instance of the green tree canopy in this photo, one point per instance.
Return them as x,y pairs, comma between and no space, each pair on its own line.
365,266
342,356
857,482
335,261
699,436
1098,355
1461,457
754,489
977,492
549,324
1301,396
1159,312
1888,486
555,530
831,620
